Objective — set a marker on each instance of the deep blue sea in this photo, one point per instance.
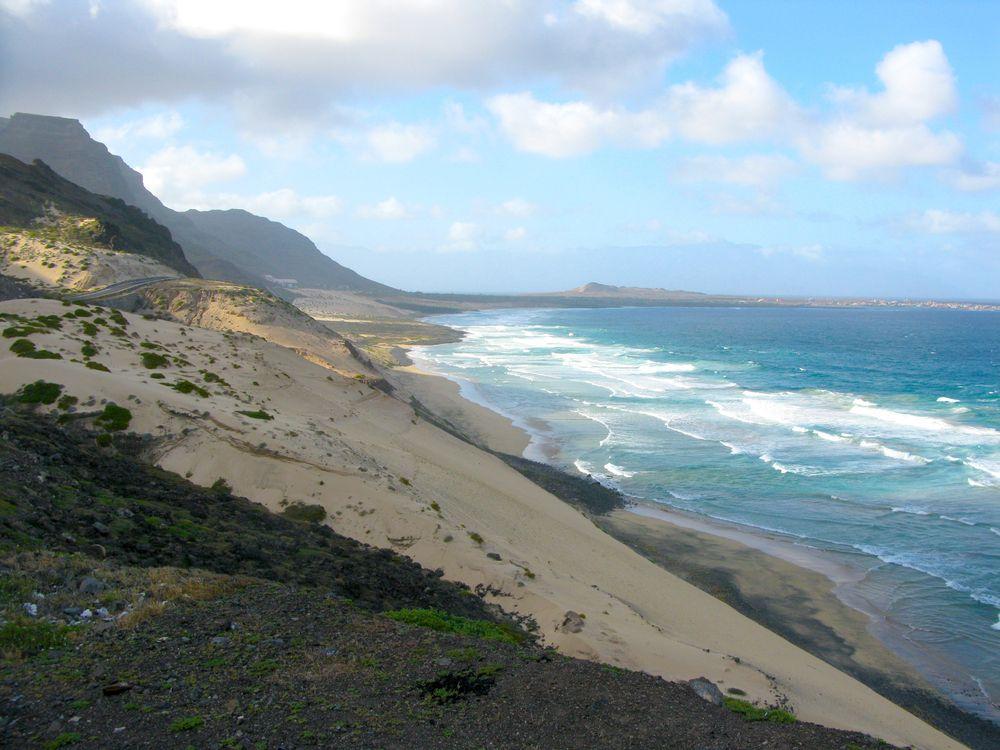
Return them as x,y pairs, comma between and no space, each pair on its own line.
872,435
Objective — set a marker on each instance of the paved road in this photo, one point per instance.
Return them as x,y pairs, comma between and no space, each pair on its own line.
120,288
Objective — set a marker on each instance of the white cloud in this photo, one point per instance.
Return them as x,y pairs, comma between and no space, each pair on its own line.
463,236
286,203
848,151
396,142
388,210
877,134
573,128
177,170
155,127
646,16
747,105
516,207
179,176
515,234
755,170
976,177
918,85
419,44
938,221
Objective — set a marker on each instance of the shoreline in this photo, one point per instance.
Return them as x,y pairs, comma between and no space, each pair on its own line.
796,593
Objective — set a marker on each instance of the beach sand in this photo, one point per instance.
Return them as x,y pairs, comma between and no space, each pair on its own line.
390,478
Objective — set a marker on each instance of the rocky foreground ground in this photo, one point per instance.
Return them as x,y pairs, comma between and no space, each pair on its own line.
139,610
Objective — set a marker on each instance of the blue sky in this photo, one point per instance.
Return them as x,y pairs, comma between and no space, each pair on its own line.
446,145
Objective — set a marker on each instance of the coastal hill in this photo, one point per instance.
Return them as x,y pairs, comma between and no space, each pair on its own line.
234,246
33,192
594,290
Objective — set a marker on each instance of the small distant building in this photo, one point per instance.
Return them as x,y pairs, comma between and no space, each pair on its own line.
281,282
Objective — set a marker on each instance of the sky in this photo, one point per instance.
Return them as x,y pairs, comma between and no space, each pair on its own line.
754,147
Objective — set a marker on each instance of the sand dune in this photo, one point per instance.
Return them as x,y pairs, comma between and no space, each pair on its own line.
389,478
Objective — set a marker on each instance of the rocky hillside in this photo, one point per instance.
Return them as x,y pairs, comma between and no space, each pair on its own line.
234,246
30,194
140,611
271,249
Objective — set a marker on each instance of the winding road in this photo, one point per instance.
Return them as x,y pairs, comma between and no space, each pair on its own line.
119,288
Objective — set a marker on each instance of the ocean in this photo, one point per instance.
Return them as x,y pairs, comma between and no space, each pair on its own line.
869,435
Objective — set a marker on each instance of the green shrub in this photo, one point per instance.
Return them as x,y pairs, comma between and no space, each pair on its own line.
186,386
477,538
259,414
67,401
307,513
39,392
26,348
103,440
755,713
446,623
114,418
152,360
96,366
88,350
11,332
186,724
64,739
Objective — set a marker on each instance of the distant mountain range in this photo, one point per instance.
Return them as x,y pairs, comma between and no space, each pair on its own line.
232,245
28,191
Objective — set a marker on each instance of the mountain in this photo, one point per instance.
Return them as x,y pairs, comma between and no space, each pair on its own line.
273,250
30,191
232,246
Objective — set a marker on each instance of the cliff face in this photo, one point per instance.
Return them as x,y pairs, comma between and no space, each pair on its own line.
31,191
232,245
66,147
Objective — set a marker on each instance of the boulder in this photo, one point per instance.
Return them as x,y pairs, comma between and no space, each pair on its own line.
572,622
706,690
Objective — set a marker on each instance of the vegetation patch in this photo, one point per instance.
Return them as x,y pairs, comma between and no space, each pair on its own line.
451,687
96,366
39,392
114,418
186,386
26,348
186,724
28,637
306,513
755,713
12,332
153,361
443,622
259,414
63,740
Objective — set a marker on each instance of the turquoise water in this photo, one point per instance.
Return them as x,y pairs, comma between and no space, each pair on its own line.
868,434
